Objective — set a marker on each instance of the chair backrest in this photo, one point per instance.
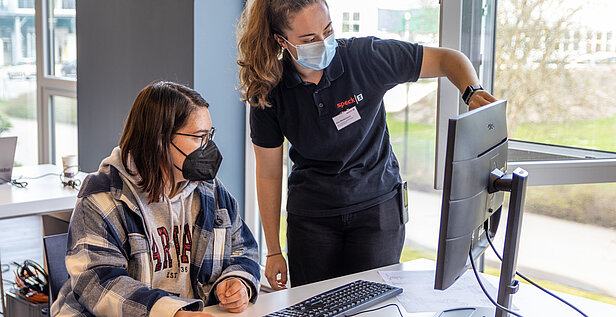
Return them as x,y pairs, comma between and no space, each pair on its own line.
55,252
2,289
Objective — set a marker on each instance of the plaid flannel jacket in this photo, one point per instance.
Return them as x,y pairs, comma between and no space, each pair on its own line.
108,254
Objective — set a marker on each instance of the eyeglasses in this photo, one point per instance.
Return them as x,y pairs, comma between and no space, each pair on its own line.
205,138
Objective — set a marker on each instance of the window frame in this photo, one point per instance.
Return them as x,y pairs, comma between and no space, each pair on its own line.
46,84
48,106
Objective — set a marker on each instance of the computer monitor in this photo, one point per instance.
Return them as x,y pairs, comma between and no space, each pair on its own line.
475,166
7,157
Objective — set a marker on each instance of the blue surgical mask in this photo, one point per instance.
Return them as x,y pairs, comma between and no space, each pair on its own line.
316,55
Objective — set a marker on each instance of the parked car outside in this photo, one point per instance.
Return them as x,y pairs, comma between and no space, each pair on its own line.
69,69
24,69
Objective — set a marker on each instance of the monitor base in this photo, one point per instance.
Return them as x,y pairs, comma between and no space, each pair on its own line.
467,312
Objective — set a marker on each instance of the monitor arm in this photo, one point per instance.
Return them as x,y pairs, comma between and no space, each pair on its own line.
515,183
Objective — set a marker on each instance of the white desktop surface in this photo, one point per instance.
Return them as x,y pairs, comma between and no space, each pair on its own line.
531,301
41,196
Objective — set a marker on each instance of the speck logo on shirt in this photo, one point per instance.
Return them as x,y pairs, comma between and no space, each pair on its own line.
355,99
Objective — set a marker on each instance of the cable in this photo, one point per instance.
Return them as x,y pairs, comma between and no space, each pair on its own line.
371,310
73,183
533,283
40,176
485,291
14,182
32,282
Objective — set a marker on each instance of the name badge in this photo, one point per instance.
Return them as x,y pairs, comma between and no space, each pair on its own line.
346,117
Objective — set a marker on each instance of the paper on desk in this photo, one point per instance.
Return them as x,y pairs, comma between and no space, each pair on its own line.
420,296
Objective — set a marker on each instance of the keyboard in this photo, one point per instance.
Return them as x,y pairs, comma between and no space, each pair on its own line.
341,301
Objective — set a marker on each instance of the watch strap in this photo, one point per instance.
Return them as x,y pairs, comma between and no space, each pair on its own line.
469,91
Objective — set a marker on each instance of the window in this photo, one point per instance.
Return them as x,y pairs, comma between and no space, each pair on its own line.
64,130
18,71
550,107
58,127
350,25
68,4
561,133
62,39
35,105
27,4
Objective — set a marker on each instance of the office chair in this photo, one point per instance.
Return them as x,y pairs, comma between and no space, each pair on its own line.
55,252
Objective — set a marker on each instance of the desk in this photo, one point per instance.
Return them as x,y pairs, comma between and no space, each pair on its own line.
42,196
531,301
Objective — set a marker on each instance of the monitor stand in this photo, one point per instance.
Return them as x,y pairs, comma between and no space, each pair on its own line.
467,312
515,183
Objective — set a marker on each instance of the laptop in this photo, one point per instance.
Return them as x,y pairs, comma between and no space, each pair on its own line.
7,156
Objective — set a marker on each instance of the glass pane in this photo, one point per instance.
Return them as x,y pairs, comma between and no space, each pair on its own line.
556,69
555,63
568,239
29,4
62,38
411,109
65,126
18,113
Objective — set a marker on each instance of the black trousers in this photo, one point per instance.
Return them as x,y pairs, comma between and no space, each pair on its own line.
326,247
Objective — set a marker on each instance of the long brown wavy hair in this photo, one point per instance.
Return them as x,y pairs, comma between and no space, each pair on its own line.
259,55
159,111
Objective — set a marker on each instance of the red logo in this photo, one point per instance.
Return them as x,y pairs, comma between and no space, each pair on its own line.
346,102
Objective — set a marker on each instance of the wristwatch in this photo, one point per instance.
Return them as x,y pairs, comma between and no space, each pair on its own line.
469,91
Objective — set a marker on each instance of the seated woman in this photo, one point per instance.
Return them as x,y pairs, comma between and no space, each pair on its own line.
154,232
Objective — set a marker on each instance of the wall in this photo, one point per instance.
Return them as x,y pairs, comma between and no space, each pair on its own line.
124,45
216,78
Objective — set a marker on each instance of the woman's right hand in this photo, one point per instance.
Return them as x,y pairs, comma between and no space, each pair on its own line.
183,313
276,264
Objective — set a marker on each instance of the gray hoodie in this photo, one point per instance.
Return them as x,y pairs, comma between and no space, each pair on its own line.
169,223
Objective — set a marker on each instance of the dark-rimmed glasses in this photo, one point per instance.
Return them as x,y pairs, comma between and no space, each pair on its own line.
205,138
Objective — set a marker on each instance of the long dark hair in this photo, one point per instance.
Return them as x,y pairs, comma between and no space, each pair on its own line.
260,65
159,111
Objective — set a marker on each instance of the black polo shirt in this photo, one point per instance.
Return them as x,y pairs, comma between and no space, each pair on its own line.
338,171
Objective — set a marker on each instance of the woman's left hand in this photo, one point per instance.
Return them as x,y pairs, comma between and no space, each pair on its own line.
233,295
480,98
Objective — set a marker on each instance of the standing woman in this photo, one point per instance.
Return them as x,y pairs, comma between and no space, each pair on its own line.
325,95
